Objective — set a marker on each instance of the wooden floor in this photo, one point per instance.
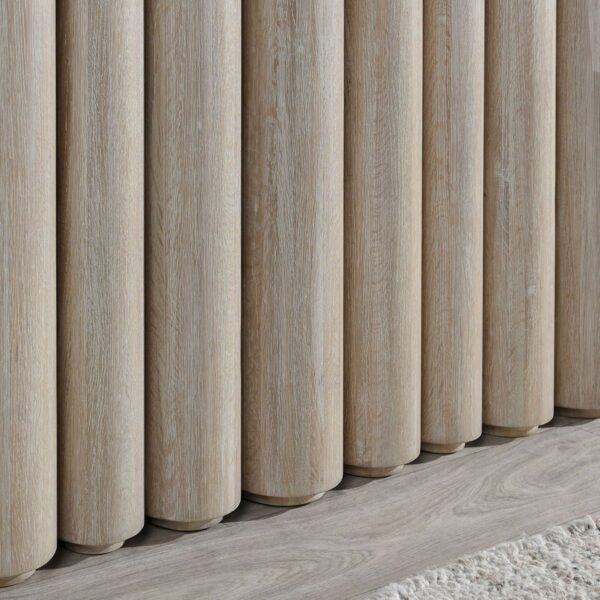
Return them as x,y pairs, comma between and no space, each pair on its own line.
361,536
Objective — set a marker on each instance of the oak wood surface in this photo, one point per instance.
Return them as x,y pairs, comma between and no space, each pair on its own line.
360,536
453,91
382,233
518,382
101,258
292,246
578,206
193,287
27,286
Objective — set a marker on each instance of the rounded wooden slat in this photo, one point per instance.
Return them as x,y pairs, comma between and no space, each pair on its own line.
292,248
519,214
382,214
578,209
193,288
452,223
27,288
101,268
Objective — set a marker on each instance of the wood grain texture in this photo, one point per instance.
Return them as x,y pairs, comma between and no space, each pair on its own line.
520,110
578,206
452,222
292,246
193,286
360,536
27,286
382,234
101,258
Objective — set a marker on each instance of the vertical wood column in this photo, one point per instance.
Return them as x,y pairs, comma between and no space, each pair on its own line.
193,134
452,223
519,215
101,261
578,209
27,288
382,298
292,249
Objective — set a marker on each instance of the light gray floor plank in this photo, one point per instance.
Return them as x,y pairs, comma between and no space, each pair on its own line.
359,537
592,425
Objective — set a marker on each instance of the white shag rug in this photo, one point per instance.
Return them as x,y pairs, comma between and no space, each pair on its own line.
561,563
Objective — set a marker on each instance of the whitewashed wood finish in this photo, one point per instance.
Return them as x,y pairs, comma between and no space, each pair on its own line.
382,234
101,258
578,208
519,214
27,287
452,223
193,289
292,248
